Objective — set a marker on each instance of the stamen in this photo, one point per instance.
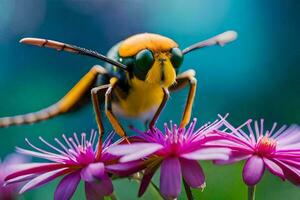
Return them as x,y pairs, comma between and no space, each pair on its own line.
231,128
175,134
51,146
201,128
191,128
175,127
73,153
228,125
266,145
68,143
181,137
246,123
213,125
256,130
91,135
108,140
166,129
62,146
277,133
242,132
94,138
38,149
74,144
261,126
111,136
267,134
273,128
252,136
76,139
171,125
83,140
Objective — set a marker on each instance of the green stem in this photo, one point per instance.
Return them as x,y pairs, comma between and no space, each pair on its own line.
138,178
251,192
113,196
156,188
188,191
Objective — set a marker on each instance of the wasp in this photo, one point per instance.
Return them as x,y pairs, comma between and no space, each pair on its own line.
139,74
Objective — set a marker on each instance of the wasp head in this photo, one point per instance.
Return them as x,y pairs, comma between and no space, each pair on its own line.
152,58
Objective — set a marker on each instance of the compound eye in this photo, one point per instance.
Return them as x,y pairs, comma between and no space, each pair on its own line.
144,60
127,61
176,57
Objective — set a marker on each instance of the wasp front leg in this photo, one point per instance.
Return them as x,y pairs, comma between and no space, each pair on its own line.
161,106
108,109
96,92
182,80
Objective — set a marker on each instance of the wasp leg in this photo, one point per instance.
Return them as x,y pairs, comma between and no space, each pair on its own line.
182,80
161,106
69,101
96,92
108,109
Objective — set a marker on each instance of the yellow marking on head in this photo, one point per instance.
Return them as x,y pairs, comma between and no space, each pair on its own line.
153,42
160,69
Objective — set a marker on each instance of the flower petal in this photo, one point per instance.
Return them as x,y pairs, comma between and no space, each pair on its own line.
170,178
92,172
192,173
67,186
125,169
146,179
274,168
235,156
35,168
208,154
53,157
42,179
20,179
142,151
92,193
226,143
98,189
124,149
290,172
253,170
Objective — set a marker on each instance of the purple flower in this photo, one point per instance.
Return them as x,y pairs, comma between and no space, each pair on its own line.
176,152
7,167
75,160
278,151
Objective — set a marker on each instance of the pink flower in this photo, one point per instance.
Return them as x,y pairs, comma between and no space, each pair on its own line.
75,160
176,152
278,151
7,167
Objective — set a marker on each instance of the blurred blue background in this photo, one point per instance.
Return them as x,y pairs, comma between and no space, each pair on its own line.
255,77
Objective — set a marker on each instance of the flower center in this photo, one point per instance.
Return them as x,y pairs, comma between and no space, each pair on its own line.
266,146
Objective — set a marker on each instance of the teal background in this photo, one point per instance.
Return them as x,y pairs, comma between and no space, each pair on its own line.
255,77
